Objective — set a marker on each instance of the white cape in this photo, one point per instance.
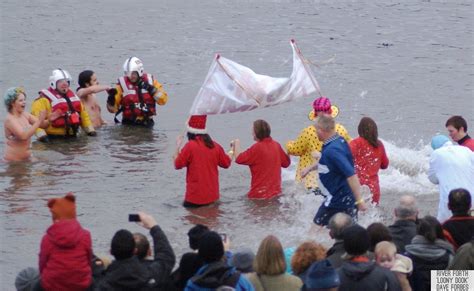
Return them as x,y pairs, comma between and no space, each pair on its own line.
231,87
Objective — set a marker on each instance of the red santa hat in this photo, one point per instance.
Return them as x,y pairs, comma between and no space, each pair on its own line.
197,124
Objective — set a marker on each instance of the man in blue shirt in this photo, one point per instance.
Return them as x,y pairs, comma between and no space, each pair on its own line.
339,182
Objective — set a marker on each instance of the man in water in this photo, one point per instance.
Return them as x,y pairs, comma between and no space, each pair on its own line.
339,182
64,109
457,128
136,95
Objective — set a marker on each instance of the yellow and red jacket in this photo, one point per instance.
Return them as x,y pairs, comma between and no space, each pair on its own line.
128,101
306,143
50,100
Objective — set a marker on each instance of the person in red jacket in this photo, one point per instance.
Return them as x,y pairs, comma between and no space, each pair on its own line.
369,156
265,159
457,128
66,249
201,156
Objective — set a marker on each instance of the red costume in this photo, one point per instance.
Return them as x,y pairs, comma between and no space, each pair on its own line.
368,160
66,250
265,159
202,176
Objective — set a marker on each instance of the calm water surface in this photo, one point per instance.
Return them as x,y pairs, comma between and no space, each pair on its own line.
407,64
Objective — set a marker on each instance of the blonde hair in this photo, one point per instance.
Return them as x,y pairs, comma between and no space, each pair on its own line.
385,247
270,259
325,122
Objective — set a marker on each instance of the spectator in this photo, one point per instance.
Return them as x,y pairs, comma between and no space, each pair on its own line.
386,256
27,279
378,232
190,262
358,272
369,156
459,229
321,276
66,249
127,272
215,273
270,268
451,166
142,245
464,258
337,224
265,159
428,251
404,228
242,260
306,254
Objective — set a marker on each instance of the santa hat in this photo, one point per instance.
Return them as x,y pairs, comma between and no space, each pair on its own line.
63,208
197,124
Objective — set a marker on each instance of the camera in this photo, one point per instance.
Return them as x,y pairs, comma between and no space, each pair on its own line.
223,236
133,217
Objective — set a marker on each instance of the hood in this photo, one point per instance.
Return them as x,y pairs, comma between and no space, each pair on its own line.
357,271
213,275
65,233
422,248
129,274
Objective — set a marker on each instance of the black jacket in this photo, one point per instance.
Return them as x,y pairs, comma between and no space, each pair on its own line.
365,276
335,252
402,232
132,274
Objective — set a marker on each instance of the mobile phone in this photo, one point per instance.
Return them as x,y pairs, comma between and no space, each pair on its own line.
133,217
223,236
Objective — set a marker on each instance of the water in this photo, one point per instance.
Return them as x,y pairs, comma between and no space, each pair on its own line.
407,64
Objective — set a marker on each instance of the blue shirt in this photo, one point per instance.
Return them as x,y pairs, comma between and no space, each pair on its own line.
335,166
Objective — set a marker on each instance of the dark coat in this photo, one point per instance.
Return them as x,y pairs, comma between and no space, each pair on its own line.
402,232
335,252
365,276
132,274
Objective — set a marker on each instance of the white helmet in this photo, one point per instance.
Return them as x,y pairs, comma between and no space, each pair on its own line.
59,74
133,64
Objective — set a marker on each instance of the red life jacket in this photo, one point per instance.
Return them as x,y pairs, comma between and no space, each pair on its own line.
131,105
59,102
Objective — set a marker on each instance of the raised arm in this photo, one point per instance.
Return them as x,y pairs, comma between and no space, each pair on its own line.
19,132
92,89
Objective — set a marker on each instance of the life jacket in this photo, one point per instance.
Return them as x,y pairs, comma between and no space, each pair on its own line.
133,105
69,104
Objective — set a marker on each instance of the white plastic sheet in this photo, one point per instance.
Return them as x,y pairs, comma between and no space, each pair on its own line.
231,87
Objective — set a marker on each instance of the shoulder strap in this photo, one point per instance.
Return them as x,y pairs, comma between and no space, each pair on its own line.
232,279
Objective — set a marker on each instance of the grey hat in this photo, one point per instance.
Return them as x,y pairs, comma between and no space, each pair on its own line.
243,260
27,279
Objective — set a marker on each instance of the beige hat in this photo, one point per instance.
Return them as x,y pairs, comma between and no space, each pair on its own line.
402,264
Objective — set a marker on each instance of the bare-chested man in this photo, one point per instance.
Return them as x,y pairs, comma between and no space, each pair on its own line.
88,87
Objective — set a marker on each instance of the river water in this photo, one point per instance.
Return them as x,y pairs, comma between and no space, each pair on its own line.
407,64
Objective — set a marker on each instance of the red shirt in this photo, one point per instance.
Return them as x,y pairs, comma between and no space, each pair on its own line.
468,142
65,257
368,160
202,176
265,159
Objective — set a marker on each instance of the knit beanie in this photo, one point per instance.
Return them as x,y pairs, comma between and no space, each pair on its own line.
322,104
63,208
438,141
321,275
27,279
211,247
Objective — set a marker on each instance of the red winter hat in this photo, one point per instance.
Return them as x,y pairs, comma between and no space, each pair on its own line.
63,208
322,104
197,124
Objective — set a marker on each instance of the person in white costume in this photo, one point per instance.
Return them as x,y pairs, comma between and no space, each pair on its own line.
451,166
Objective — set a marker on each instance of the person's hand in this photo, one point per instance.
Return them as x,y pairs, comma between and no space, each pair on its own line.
316,155
92,133
362,206
146,220
42,116
179,141
55,115
111,98
226,243
145,85
305,171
